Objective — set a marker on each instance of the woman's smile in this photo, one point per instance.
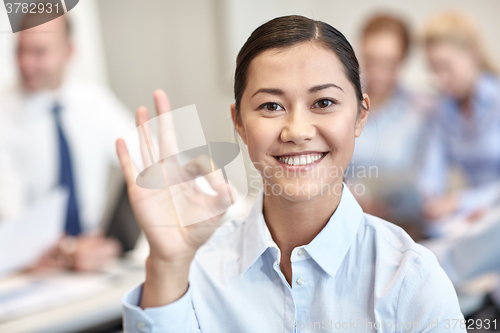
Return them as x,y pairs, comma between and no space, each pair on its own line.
301,160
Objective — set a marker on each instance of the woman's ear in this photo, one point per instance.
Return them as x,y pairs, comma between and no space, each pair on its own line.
237,124
364,111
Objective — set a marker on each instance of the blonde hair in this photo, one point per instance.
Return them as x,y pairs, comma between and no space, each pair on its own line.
460,30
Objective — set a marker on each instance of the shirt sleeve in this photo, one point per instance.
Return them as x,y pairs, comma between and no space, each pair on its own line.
176,317
427,301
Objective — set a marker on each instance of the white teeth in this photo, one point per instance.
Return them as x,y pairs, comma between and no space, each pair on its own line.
301,160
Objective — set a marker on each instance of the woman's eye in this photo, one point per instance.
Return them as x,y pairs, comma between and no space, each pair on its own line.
323,103
271,106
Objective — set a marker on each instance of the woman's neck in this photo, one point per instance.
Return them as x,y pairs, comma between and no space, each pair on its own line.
293,224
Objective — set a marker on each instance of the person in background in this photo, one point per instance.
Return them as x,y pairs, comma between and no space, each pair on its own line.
464,134
58,132
465,131
389,143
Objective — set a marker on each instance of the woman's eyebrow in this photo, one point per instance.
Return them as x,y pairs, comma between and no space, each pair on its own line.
279,92
272,91
324,86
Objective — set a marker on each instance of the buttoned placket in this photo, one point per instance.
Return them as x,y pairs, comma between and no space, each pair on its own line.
297,292
302,283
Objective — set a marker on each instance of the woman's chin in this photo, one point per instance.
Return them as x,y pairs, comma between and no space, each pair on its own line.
300,190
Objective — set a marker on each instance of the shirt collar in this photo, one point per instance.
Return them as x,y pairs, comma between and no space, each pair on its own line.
327,249
256,237
42,101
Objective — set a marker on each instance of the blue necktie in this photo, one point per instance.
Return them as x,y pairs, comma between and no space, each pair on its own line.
72,226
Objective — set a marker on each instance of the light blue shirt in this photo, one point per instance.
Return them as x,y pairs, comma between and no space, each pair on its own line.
359,274
470,143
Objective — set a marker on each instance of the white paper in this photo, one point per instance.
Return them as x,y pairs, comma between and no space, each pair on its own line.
24,239
23,294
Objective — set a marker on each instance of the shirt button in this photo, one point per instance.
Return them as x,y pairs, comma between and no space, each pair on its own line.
301,281
141,325
301,252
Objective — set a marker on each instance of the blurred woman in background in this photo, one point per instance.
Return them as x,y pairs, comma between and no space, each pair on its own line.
465,131
389,142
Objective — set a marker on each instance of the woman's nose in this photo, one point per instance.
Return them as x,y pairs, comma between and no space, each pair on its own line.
298,128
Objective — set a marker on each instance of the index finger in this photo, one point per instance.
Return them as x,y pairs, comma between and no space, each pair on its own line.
125,163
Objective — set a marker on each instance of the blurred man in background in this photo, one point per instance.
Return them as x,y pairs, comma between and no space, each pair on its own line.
59,133
390,141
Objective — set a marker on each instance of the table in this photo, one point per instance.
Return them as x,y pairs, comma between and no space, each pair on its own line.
85,313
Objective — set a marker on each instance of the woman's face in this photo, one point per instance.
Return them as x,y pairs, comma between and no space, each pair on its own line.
299,119
455,68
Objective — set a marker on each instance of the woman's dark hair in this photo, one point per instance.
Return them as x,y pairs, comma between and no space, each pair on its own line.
286,31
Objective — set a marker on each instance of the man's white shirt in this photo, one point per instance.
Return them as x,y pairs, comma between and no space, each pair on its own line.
92,119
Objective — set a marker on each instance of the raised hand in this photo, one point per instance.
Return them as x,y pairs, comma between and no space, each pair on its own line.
172,246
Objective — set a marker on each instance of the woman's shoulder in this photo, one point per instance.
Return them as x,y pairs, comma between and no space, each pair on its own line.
225,243
228,234
417,270
221,256
391,238
411,277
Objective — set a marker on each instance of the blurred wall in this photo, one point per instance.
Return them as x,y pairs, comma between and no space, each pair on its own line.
172,45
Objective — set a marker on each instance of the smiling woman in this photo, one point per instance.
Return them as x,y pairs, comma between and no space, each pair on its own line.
306,257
